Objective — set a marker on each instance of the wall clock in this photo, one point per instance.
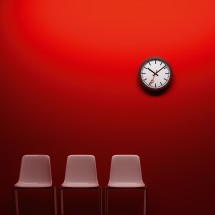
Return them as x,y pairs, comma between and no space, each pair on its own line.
155,74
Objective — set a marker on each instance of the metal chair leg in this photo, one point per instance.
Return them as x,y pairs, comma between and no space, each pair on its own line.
55,200
106,200
61,202
16,201
100,200
145,196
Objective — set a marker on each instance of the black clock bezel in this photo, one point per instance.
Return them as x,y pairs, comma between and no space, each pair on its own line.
160,88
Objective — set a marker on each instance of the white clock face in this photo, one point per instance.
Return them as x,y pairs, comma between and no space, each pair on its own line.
155,74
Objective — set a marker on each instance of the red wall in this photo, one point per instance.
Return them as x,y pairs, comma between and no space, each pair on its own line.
69,85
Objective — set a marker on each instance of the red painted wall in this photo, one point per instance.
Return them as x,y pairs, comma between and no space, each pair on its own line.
69,85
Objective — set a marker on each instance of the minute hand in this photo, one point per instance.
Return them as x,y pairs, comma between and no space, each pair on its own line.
160,69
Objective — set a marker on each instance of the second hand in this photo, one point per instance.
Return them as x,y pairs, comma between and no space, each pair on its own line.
152,81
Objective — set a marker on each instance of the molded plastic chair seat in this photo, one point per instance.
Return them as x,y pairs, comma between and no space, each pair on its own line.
80,171
35,171
125,171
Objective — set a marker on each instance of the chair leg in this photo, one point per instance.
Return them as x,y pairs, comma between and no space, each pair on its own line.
144,204
61,202
106,200
16,201
100,200
55,200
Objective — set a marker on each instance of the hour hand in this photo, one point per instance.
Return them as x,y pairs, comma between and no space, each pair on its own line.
152,71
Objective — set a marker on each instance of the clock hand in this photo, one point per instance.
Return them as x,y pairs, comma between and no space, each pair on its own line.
160,69
152,79
152,71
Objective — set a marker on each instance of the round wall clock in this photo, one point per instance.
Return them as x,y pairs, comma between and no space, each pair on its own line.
155,74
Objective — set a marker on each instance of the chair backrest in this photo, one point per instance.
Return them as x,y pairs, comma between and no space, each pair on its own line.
81,169
35,168
125,169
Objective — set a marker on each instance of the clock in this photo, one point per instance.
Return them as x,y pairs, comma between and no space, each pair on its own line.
155,74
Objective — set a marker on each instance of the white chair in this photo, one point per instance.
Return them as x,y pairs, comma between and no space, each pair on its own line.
80,173
125,173
35,173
